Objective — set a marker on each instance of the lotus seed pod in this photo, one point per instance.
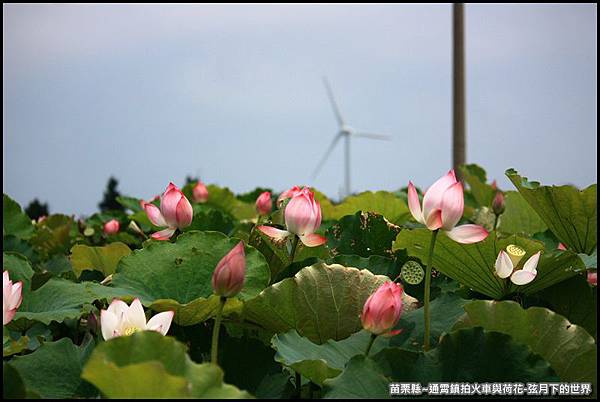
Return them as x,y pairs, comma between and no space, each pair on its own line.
515,253
412,273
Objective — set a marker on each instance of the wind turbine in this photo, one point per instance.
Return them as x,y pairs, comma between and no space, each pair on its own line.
346,132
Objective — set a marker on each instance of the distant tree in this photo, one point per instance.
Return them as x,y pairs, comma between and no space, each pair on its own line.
109,202
190,180
36,209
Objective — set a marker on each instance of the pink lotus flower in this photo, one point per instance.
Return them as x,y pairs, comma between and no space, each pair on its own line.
443,205
561,247
200,192
263,203
592,278
142,202
382,310
302,218
11,298
122,320
175,212
292,192
229,275
111,227
498,205
507,262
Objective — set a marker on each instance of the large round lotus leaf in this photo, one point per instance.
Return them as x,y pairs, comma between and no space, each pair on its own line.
14,220
476,178
321,302
178,275
149,365
473,264
468,355
383,203
59,299
103,259
18,268
519,217
570,213
363,234
197,310
53,370
569,349
319,362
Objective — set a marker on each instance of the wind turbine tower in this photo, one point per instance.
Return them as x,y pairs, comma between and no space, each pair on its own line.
346,132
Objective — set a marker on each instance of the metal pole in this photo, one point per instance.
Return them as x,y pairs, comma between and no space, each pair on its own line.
347,164
458,87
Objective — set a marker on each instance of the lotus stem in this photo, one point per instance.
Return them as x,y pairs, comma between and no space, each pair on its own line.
294,247
428,290
214,350
373,337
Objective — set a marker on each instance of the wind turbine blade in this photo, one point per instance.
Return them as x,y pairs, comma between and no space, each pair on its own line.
329,150
334,106
373,136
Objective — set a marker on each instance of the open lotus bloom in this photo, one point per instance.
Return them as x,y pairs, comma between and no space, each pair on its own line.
292,192
200,192
120,319
11,298
302,218
443,205
229,275
507,262
263,203
382,310
175,212
112,227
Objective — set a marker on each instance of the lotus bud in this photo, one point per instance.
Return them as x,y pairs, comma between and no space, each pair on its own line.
200,192
592,278
382,310
561,247
264,204
229,275
287,194
498,203
175,212
111,227
11,298
494,185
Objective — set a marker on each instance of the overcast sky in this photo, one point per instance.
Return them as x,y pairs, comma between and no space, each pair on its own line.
233,93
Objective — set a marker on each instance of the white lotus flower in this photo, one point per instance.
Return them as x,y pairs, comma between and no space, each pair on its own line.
120,319
508,260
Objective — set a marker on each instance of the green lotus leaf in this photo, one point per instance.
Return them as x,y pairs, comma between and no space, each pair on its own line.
473,264
103,259
14,221
570,213
54,370
569,349
363,234
321,302
177,276
149,365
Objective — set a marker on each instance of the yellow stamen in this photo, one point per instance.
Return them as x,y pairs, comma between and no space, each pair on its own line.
515,253
131,331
